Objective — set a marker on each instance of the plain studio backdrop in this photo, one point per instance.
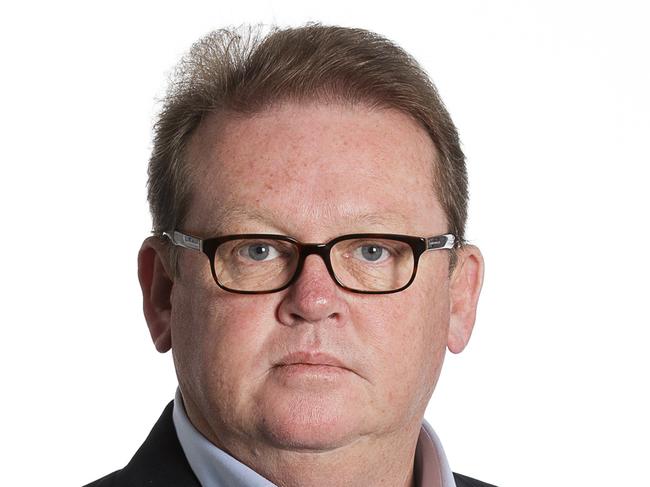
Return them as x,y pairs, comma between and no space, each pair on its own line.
552,103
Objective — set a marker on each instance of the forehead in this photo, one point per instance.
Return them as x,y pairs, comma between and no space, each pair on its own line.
313,168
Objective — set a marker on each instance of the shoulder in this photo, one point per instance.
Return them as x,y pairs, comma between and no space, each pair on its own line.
463,481
160,461
109,480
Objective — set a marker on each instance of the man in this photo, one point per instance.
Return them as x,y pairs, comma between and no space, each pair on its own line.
308,268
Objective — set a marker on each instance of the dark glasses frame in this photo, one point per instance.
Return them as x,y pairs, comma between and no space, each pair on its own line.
419,245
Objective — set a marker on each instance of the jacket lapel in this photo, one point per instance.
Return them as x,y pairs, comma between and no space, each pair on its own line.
160,461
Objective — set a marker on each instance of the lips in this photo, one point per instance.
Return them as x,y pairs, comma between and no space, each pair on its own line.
315,372
311,358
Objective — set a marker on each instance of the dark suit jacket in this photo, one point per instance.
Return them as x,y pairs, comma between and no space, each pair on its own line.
160,462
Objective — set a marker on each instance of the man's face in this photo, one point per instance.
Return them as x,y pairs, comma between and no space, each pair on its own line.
312,366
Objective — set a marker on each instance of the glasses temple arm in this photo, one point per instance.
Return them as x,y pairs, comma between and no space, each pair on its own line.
186,241
440,242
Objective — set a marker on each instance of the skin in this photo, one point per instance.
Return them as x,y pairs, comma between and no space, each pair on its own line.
313,172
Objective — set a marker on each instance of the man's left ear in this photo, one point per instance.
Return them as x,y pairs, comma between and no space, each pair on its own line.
464,289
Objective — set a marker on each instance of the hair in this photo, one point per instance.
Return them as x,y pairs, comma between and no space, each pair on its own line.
244,71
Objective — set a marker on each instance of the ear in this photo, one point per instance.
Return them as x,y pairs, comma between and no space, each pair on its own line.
156,285
464,290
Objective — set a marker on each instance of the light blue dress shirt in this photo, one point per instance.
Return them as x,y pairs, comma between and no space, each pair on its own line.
215,468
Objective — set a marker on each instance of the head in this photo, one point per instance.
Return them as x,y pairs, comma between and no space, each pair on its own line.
313,133
242,72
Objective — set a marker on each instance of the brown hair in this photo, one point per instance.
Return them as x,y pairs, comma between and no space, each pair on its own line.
241,70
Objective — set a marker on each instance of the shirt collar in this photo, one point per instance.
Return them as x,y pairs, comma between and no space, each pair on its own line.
431,466
215,468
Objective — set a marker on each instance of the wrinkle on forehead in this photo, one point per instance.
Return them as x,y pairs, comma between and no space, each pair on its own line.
230,219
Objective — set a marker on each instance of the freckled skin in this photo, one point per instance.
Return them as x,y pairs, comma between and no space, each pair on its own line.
311,169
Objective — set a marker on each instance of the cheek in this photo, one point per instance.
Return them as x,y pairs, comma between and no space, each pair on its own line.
410,324
217,341
432,317
406,342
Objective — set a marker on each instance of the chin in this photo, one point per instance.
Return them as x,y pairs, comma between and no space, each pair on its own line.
311,422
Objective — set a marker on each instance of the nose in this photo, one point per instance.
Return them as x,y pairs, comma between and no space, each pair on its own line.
313,298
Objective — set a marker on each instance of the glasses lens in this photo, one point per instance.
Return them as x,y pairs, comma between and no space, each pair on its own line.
372,264
255,264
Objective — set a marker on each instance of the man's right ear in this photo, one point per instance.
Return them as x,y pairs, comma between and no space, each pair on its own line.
156,283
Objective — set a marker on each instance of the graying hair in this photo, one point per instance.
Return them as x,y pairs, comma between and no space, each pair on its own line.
244,70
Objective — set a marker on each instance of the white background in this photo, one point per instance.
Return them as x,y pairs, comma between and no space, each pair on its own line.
552,103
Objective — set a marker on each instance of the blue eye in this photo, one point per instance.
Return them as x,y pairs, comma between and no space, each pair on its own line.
372,253
259,252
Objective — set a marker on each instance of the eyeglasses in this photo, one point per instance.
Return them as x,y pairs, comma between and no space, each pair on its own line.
369,263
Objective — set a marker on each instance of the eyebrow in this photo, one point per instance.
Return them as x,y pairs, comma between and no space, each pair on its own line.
229,215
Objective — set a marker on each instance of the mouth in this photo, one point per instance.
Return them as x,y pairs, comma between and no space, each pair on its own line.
311,359
313,371
300,368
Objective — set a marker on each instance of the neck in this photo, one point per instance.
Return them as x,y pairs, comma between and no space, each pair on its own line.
366,462
378,460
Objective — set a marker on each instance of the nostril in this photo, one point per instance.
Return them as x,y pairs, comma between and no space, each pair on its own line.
296,318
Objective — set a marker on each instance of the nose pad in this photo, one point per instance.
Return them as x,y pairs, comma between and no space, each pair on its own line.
313,297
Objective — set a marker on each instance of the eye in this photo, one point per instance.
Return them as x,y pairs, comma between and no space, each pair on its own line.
259,252
371,253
